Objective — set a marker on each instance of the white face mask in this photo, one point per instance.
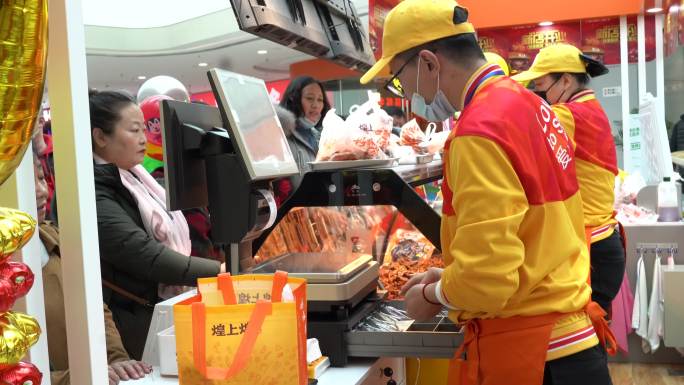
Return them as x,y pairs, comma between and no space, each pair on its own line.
438,111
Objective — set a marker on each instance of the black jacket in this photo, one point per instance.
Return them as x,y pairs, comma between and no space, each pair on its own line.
677,137
134,261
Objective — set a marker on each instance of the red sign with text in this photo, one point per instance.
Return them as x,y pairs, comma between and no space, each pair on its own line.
377,11
600,37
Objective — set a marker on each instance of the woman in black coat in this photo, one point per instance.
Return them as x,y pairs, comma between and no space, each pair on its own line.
143,247
301,112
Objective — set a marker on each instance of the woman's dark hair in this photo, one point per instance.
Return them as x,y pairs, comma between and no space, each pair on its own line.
105,108
292,99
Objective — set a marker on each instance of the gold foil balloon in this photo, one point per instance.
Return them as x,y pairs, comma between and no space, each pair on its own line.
23,50
26,324
18,333
16,228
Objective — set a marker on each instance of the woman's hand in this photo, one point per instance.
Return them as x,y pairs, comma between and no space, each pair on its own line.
129,370
113,378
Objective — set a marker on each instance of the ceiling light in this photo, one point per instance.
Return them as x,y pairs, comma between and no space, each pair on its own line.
546,23
654,10
262,52
203,64
674,8
142,77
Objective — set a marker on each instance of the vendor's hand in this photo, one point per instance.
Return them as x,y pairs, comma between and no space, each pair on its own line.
131,370
431,276
417,307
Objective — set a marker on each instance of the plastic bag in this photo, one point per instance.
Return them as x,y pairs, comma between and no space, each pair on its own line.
412,135
627,188
436,142
364,135
370,117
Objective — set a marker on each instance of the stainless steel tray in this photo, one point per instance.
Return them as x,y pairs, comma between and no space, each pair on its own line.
436,338
329,268
350,164
346,290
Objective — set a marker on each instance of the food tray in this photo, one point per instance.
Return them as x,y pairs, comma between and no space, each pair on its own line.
436,338
350,164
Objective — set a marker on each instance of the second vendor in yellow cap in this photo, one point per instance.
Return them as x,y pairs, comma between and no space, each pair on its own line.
561,75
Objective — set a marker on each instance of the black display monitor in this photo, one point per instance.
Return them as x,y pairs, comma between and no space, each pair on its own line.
184,126
327,29
292,23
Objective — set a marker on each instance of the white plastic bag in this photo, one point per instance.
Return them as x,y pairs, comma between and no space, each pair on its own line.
370,117
364,135
341,141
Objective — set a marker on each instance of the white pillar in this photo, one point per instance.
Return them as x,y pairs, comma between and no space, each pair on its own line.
19,192
68,92
641,51
624,85
660,67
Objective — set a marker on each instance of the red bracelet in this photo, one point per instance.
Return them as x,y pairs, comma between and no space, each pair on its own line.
426,298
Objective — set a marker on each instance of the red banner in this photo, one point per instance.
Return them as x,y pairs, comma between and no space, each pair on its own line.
377,11
599,38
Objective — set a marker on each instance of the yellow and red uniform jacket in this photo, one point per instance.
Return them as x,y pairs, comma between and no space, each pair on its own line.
512,227
587,125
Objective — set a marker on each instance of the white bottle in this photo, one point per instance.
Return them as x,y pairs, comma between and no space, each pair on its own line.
668,206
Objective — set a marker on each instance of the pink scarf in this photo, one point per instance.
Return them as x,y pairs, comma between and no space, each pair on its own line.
167,227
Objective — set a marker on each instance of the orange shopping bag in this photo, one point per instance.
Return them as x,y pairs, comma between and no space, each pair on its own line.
243,330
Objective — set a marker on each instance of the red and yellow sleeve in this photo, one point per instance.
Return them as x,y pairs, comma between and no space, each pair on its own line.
484,251
566,118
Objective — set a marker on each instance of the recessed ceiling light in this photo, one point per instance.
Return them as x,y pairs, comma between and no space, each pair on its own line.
262,52
546,23
142,77
654,10
203,64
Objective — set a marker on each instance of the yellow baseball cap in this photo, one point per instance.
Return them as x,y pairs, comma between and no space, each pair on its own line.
494,58
415,22
561,58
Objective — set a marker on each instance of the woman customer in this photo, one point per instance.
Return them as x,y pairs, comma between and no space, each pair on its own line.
121,367
143,247
303,107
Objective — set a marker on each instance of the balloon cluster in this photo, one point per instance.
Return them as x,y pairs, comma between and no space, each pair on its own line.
23,43
150,95
18,332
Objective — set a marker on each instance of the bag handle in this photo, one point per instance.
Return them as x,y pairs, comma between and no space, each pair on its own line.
279,282
225,285
244,352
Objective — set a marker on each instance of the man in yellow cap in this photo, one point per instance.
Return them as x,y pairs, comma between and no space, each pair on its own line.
512,225
561,74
